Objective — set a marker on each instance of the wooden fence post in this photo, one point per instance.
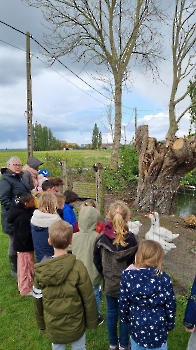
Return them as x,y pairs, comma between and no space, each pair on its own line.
64,174
99,187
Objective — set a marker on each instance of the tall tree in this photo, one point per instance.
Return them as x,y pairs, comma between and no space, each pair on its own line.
110,33
163,164
43,140
99,139
183,56
95,137
107,119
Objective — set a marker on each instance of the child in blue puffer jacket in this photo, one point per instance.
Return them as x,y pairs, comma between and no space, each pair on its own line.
68,209
146,299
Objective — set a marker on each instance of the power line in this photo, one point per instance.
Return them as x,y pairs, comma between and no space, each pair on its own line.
16,47
33,55
56,59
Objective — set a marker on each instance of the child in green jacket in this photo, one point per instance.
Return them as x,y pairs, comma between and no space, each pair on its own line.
64,301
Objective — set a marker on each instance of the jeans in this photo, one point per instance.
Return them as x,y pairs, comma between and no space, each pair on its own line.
112,320
97,297
76,345
192,341
135,346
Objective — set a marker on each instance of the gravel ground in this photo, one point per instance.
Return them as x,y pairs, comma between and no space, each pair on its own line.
179,263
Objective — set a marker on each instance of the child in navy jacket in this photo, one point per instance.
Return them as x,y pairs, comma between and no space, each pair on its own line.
146,299
190,317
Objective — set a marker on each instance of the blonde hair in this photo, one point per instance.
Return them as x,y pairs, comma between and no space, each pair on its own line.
118,213
48,203
88,203
60,199
60,233
149,254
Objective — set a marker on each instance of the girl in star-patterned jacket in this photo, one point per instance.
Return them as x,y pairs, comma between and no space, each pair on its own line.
146,299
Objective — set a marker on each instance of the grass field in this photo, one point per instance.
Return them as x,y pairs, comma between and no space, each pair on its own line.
76,158
18,330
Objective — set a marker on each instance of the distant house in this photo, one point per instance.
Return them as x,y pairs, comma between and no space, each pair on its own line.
108,146
72,145
85,145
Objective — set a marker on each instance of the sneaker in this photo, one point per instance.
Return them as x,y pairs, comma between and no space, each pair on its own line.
30,293
113,347
125,347
101,319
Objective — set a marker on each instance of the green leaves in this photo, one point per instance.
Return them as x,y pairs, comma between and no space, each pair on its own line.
127,172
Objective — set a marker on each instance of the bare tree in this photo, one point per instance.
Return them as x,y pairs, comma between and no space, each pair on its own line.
183,55
113,33
107,119
163,164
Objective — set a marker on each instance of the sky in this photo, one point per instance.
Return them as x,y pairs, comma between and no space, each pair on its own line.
61,101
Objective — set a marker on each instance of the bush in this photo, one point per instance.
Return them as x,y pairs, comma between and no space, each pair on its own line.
127,172
189,179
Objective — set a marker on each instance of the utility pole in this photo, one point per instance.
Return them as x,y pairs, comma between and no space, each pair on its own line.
135,119
29,99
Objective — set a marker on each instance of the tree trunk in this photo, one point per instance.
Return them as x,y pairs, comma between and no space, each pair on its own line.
161,167
118,120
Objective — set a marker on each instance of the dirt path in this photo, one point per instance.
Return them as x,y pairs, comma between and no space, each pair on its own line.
179,263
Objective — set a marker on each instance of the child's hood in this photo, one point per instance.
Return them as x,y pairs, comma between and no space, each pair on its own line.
108,230
146,286
54,271
17,210
88,218
41,219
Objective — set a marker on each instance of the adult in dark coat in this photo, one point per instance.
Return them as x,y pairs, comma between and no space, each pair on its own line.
11,185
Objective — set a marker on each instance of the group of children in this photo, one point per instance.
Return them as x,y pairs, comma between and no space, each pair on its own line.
66,287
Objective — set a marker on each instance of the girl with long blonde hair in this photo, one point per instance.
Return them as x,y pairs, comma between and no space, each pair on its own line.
113,252
42,219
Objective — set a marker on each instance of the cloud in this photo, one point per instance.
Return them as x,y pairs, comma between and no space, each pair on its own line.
60,105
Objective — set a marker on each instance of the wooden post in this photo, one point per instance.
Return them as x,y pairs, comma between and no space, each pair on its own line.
29,99
100,187
64,174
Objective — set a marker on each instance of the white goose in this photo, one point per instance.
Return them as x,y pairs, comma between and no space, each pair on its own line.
151,234
134,226
164,232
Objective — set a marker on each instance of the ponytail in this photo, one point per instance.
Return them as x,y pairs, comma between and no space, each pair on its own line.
118,213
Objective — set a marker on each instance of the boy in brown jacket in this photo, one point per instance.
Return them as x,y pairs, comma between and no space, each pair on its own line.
64,301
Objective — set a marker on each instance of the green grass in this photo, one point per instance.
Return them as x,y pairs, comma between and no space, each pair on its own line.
18,329
84,158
